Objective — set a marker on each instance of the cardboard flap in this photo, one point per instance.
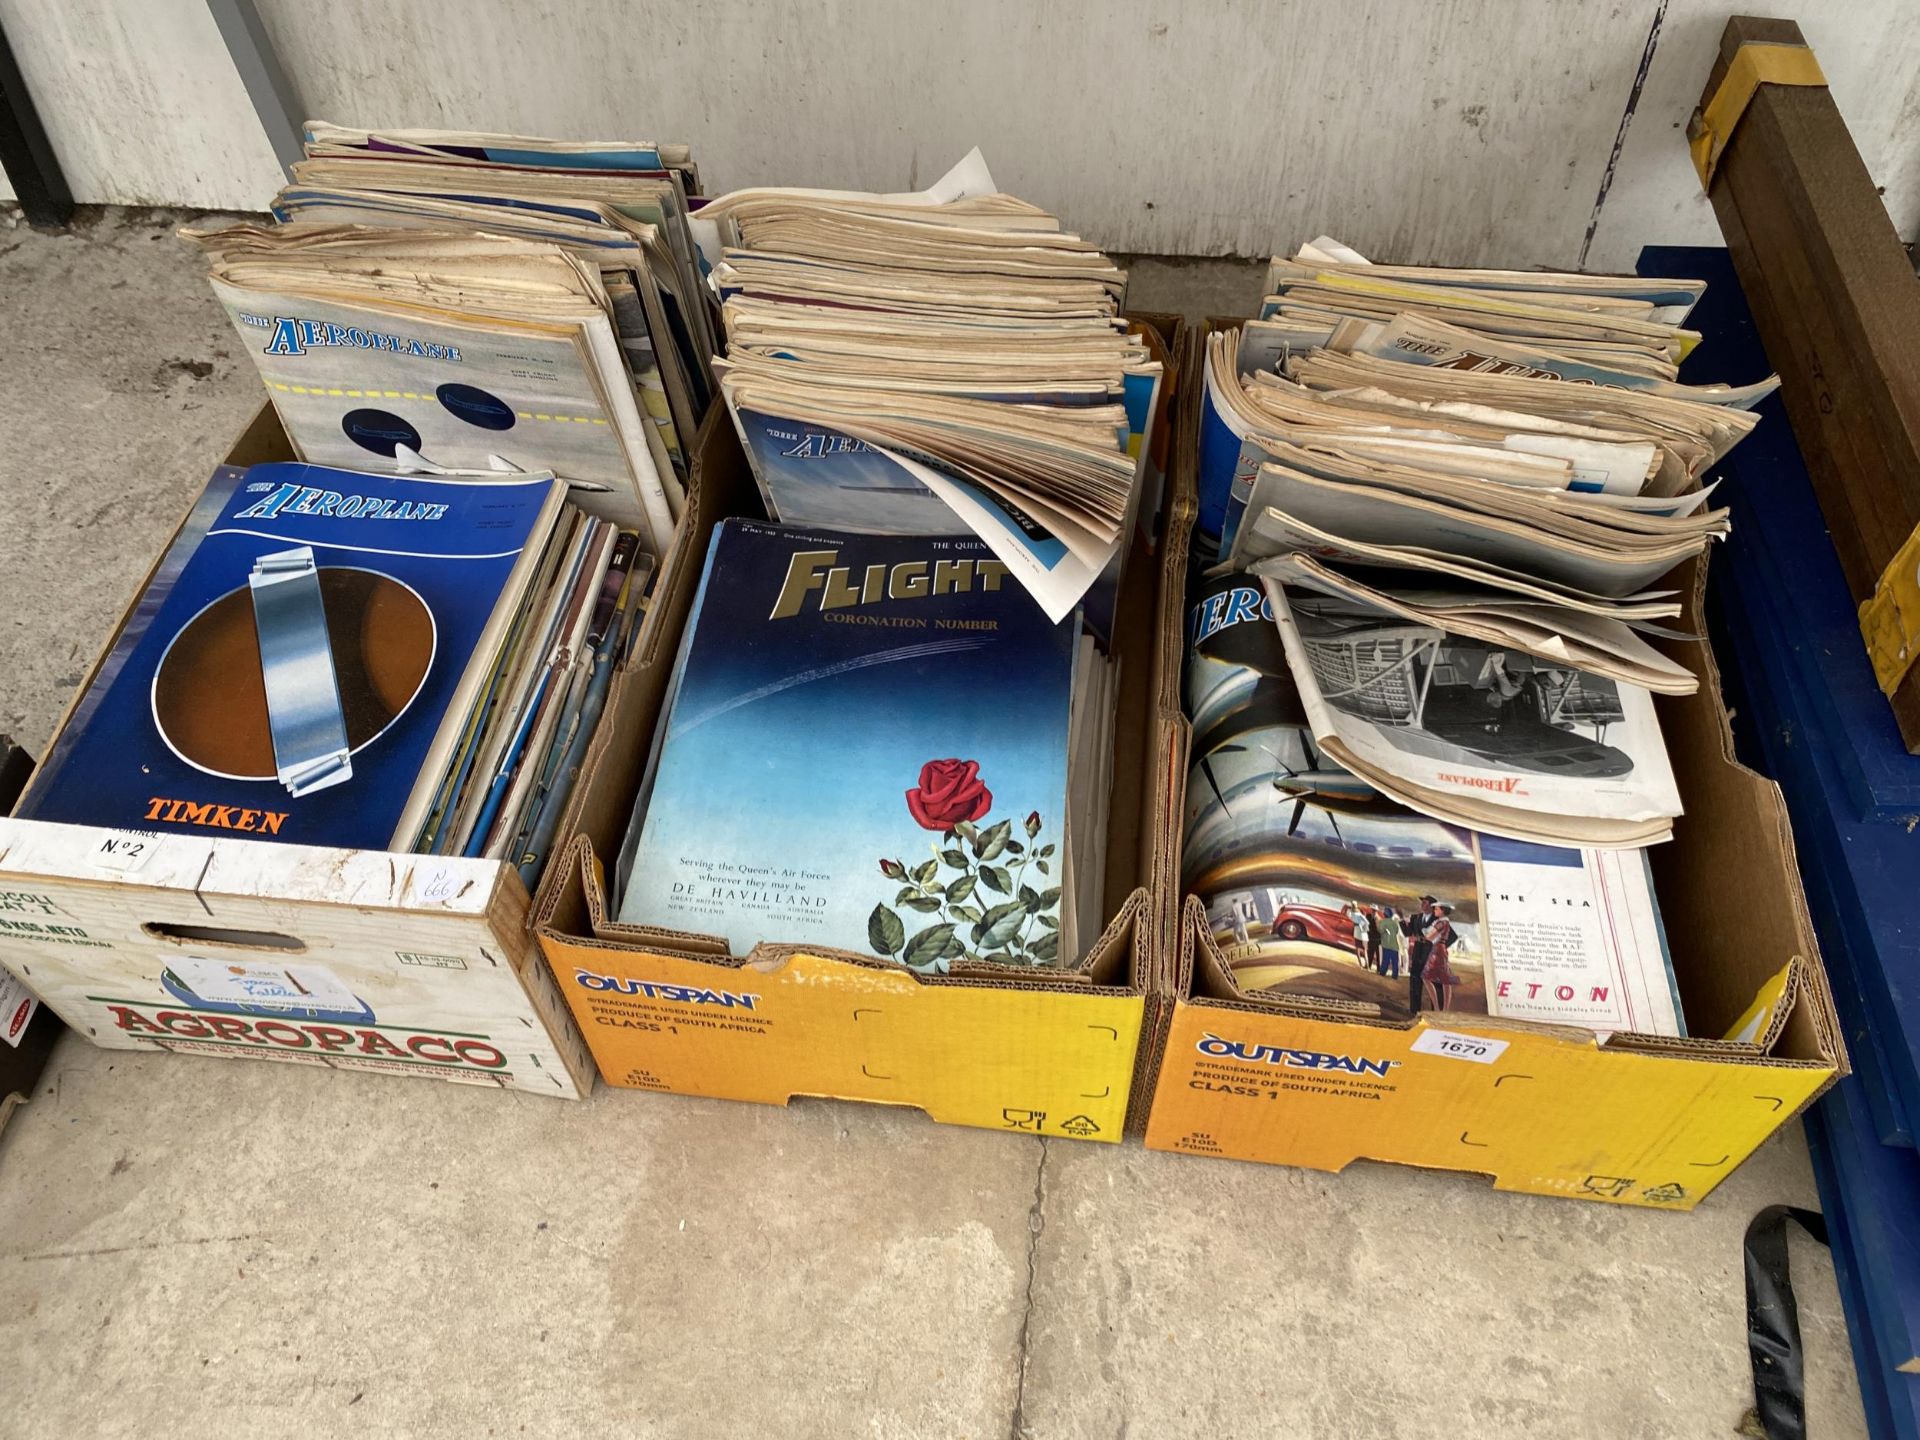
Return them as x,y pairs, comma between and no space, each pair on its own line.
1736,825
1761,1024
206,869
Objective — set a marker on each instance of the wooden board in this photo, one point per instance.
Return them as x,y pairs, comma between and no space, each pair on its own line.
1837,306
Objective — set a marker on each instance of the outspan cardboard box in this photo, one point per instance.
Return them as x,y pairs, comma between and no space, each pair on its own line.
354,959
1537,1108
1048,1053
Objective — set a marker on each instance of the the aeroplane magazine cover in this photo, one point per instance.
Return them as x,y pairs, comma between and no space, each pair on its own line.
287,669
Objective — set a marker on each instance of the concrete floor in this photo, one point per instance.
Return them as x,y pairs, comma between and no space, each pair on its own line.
230,1248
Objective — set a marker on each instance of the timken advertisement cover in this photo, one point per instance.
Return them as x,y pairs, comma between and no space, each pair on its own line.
288,667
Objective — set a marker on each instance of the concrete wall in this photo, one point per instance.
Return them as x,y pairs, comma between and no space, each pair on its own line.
1471,131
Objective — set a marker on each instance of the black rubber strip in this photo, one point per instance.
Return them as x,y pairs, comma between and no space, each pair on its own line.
1773,1322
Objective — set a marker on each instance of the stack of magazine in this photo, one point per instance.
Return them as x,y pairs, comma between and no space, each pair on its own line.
879,744
437,349
1323,890
1470,495
889,730
332,657
621,206
1445,515
445,300
948,363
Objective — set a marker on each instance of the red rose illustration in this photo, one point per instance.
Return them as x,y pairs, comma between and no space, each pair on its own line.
949,792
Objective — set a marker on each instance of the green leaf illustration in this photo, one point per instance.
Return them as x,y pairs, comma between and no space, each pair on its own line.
956,858
1049,898
925,904
969,913
1030,897
1044,851
884,930
993,915
1043,866
997,879
907,892
952,949
1045,948
1051,922
965,829
928,946
1014,847
925,872
994,840
961,888
1002,923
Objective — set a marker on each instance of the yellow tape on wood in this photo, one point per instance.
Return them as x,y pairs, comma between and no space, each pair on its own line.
1754,64
1890,620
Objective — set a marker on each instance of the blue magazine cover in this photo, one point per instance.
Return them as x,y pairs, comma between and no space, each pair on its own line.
289,665
866,749
811,473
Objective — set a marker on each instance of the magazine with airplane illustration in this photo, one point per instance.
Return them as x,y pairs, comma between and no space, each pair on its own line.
1321,888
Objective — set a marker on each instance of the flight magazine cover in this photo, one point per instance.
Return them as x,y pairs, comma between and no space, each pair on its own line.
866,750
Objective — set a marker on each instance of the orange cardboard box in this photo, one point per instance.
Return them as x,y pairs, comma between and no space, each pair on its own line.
1544,1109
1054,1053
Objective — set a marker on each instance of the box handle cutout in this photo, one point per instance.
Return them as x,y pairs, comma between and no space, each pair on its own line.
221,935
808,1097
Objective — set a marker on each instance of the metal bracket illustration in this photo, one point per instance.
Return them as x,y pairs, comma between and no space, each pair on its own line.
303,694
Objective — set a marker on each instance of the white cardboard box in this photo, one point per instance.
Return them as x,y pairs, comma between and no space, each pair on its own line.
357,959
